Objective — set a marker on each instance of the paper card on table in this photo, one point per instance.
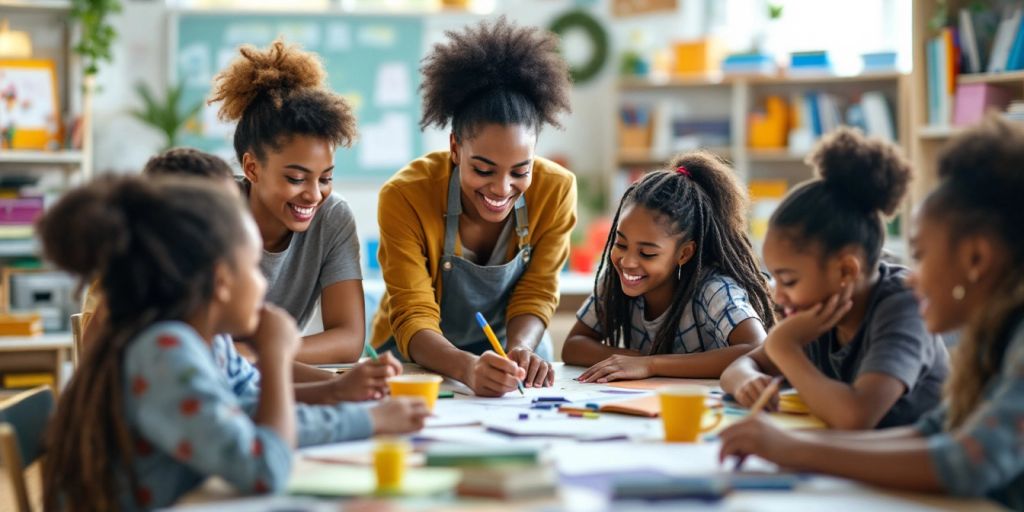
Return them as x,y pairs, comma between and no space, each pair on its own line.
660,382
567,428
318,479
450,421
648,406
783,420
362,459
262,504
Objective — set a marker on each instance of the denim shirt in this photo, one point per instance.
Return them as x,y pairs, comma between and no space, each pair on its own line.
985,455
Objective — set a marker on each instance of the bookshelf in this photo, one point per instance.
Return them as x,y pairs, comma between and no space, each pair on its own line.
46,173
928,140
733,98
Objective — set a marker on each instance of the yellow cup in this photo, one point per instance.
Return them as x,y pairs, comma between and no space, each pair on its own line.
423,386
389,464
682,413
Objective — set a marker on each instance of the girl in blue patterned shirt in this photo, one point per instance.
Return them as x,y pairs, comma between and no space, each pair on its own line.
678,291
149,414
970,274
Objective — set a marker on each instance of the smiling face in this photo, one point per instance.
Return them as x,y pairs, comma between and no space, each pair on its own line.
495,168
289,186
645,254
802,278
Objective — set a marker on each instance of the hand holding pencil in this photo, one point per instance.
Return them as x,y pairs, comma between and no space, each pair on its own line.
495,344
754,434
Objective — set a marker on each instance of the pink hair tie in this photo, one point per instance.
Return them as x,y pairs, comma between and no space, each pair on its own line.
684,171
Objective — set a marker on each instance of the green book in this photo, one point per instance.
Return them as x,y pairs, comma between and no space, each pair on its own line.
450,455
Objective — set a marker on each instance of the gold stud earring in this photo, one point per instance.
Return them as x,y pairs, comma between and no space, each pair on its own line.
959,292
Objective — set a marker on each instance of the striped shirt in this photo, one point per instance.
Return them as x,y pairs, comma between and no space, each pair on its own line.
718,306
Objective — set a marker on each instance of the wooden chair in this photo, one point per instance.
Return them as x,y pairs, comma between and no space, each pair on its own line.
76,336
23,420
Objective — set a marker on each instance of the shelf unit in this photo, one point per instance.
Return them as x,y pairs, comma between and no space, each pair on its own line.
928,140
52,31
737,97
53,34
742,93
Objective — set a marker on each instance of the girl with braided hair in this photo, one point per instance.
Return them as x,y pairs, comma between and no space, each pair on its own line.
149,413
678,291
483,226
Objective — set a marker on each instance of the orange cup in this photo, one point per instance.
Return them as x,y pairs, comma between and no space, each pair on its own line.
423,386
682,413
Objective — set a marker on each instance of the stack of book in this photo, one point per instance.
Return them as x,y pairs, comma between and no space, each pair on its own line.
1015,112
501,472
810,63
749,64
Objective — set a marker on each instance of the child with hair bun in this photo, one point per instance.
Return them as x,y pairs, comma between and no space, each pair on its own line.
853,342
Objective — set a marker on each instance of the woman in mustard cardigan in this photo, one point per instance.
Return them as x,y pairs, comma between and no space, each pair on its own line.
485,225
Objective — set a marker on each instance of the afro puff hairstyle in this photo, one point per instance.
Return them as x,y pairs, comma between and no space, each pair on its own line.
277,93
494,73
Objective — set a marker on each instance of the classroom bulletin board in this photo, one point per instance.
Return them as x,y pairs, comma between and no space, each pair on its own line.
373,61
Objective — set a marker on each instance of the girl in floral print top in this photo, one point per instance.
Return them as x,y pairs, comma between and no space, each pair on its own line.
970,275
149,414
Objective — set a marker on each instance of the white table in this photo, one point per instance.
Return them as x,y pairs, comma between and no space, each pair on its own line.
576,460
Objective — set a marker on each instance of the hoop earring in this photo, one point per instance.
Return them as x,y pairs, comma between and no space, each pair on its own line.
959,292
679,273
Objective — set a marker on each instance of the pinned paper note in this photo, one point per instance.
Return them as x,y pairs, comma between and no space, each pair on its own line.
393,87
194,65
386,143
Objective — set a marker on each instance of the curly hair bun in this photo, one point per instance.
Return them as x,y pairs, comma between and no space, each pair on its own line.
276,72
866,172
498,57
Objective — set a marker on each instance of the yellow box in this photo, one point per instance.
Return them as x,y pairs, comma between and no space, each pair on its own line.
22,324
27,380
698,57
767,189
770,128
634,137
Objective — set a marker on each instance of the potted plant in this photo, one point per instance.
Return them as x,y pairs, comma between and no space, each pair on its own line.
165,115
96,34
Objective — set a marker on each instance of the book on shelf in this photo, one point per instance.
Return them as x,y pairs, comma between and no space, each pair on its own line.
21,324
878,116
15,231
969,43
972,101
942,68
877,62
810,63
749,64
23,380
1002,44
976,32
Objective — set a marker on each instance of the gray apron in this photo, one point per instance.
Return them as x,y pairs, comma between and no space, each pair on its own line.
467,287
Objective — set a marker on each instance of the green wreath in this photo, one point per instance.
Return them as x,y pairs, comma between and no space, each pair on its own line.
581,20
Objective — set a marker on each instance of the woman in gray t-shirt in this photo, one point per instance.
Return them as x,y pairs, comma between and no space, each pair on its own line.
289,125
